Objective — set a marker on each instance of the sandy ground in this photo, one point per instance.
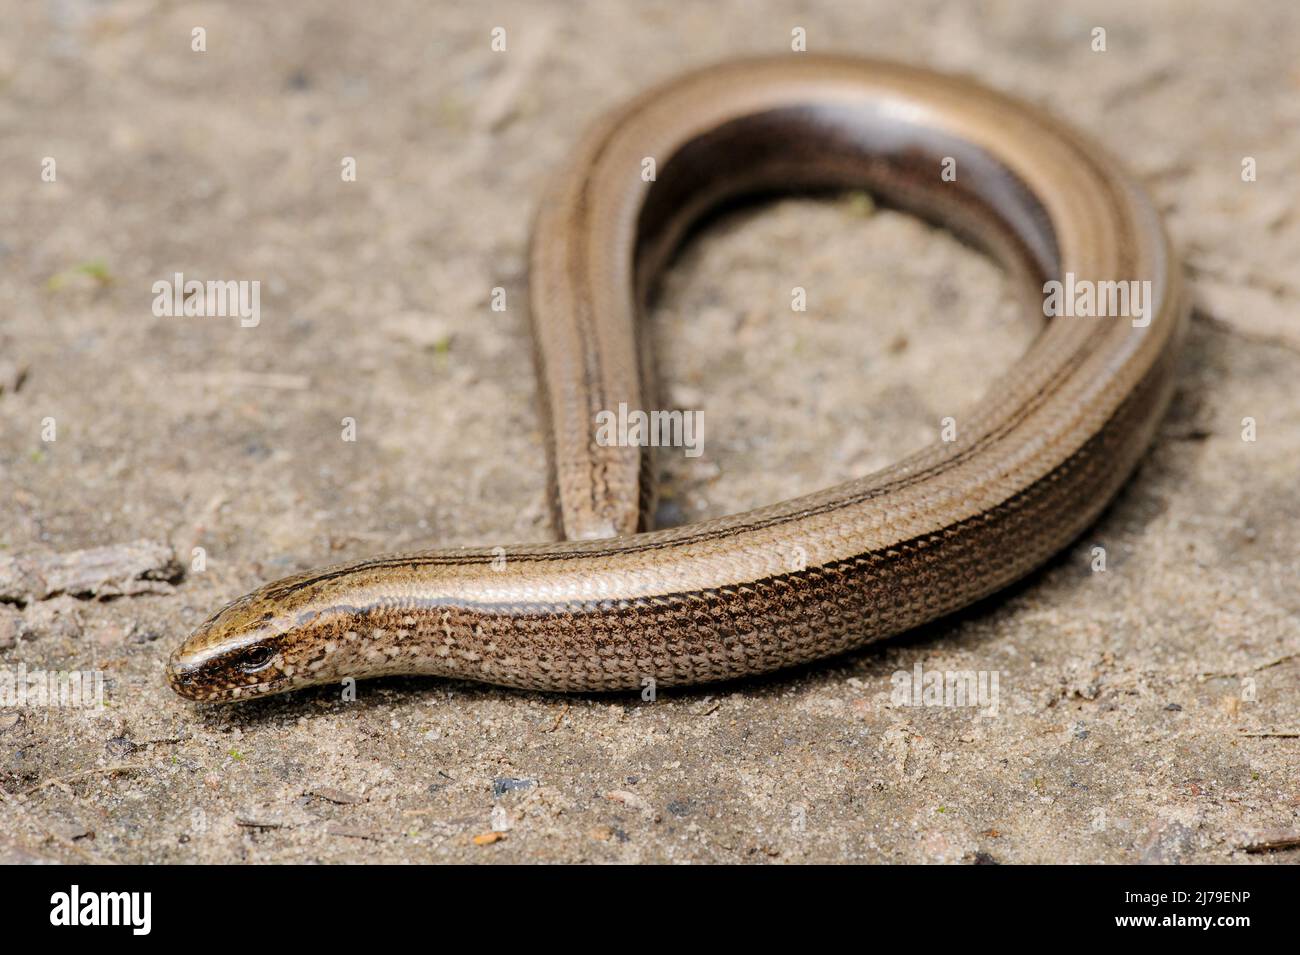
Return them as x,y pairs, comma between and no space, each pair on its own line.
1146,714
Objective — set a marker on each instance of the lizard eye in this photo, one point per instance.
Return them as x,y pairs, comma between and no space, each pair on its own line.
255,658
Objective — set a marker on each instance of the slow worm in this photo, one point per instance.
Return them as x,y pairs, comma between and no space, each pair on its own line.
616,604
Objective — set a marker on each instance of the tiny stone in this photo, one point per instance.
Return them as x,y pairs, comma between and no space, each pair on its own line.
504,784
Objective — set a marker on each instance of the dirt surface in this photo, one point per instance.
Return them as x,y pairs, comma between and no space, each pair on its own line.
1147,713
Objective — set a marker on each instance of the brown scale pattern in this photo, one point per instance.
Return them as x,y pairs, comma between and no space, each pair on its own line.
713,635
1031,191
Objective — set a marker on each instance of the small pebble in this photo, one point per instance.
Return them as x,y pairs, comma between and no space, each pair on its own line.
504,784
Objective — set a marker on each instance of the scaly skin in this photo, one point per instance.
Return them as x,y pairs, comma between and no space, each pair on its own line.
1034,463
